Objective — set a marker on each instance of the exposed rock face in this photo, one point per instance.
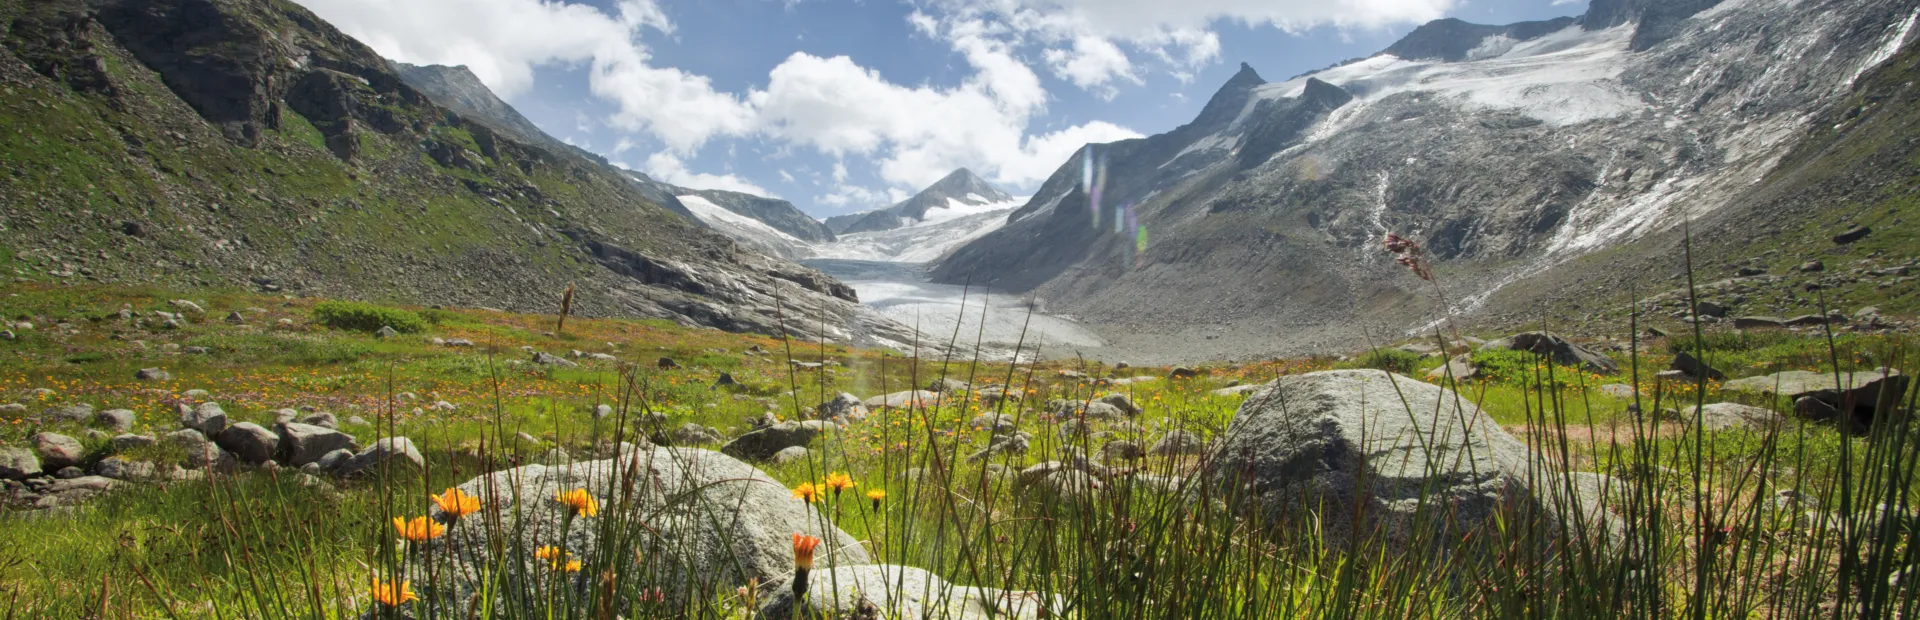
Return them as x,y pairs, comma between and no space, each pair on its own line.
202,76
888,591
1339,441
1286,189
723,522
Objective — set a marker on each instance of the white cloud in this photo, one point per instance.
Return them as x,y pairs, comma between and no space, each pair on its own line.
1093,64
785,176
856,198
668,168
501,41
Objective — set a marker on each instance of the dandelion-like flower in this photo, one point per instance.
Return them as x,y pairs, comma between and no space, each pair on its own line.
455,503
877,496
392,594
420,529
579,502
839,482
803,546
807,492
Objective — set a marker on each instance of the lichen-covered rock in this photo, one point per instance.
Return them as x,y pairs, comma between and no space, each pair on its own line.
711,523
249,442
1342,441
301,444
206,417
58,451
393,455
762,443
18,464
903,400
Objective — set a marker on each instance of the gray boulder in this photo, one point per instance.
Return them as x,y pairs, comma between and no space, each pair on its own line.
1559,350
1856,397
843,406
249,442
762,443
306,443
395,455
1008,445
1124,403
948,386
544,359
322,419
1460,367
1687,363
1343,440
58,451
888,591
1759,322
790,455
333,461
1095,410
122,469
201,452
80,412
1122,450
723,522
129,441
152,374
1723,416
117,419
902,400
18,464
993,422
1177,443
694,434
207,417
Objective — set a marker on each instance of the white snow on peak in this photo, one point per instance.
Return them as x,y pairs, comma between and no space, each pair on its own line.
925,240
1565,78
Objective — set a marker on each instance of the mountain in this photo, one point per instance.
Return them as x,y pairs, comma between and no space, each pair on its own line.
248,143
1509,151
769,225
459,90
958,190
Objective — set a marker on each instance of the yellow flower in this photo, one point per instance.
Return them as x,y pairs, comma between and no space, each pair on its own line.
839,482
456,503
548,553
420,529
572,566
392,594
807,492
579,502
877,495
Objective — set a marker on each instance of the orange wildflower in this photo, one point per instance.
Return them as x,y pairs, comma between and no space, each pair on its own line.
456,503
807,492
392,594
420,529
579,502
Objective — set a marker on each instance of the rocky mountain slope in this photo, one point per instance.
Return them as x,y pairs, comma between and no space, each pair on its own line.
1508,151
248,143
960,189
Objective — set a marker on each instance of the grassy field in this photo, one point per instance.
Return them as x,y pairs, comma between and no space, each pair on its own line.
1706,533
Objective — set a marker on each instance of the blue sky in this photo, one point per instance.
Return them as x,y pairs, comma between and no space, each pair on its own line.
848,105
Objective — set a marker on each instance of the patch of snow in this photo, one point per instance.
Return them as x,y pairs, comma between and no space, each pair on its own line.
1492,47
1565,78
925,240
716,215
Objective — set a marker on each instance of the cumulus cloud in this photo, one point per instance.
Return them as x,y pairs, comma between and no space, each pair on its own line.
501,41
667,168
1092,63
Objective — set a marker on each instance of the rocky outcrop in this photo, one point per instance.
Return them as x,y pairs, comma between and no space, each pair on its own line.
1363,448
721,521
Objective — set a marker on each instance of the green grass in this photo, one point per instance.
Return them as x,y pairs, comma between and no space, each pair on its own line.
262,545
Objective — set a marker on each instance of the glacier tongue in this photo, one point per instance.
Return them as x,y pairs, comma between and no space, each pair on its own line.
924,240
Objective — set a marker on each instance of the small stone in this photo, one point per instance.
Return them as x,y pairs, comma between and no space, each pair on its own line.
725,380
393,454
249,442
129,441
356,421
152,374
69,473
1812,266
117,419
601,412
58,451
234,318
1852,234
322,420
386,332
792,454
18,464
1177,443
543,359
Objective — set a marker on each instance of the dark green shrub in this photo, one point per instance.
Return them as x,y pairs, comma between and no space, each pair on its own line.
357,316
1505,365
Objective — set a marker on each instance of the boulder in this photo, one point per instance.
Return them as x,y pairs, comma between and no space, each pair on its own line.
18,463
207,417
394,455
1812,266
845,406
1723,416
1559,350
762,443
58,451
152,374
1238,390
306,443
1687,363
1007,445
333,461
120,420
602,412
1857,396
721,521
543,359
1617,390
1337,442
122,469
201,453
944,385
691,434
322,419
1460,367
1710,308
1177,443
249,442
1122,450
666,363
80,412
1182,374
1124,403
902,400
992,422
789,455
725,380
1074,409
888,591
1852,234
386,332
1759,322
128,441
